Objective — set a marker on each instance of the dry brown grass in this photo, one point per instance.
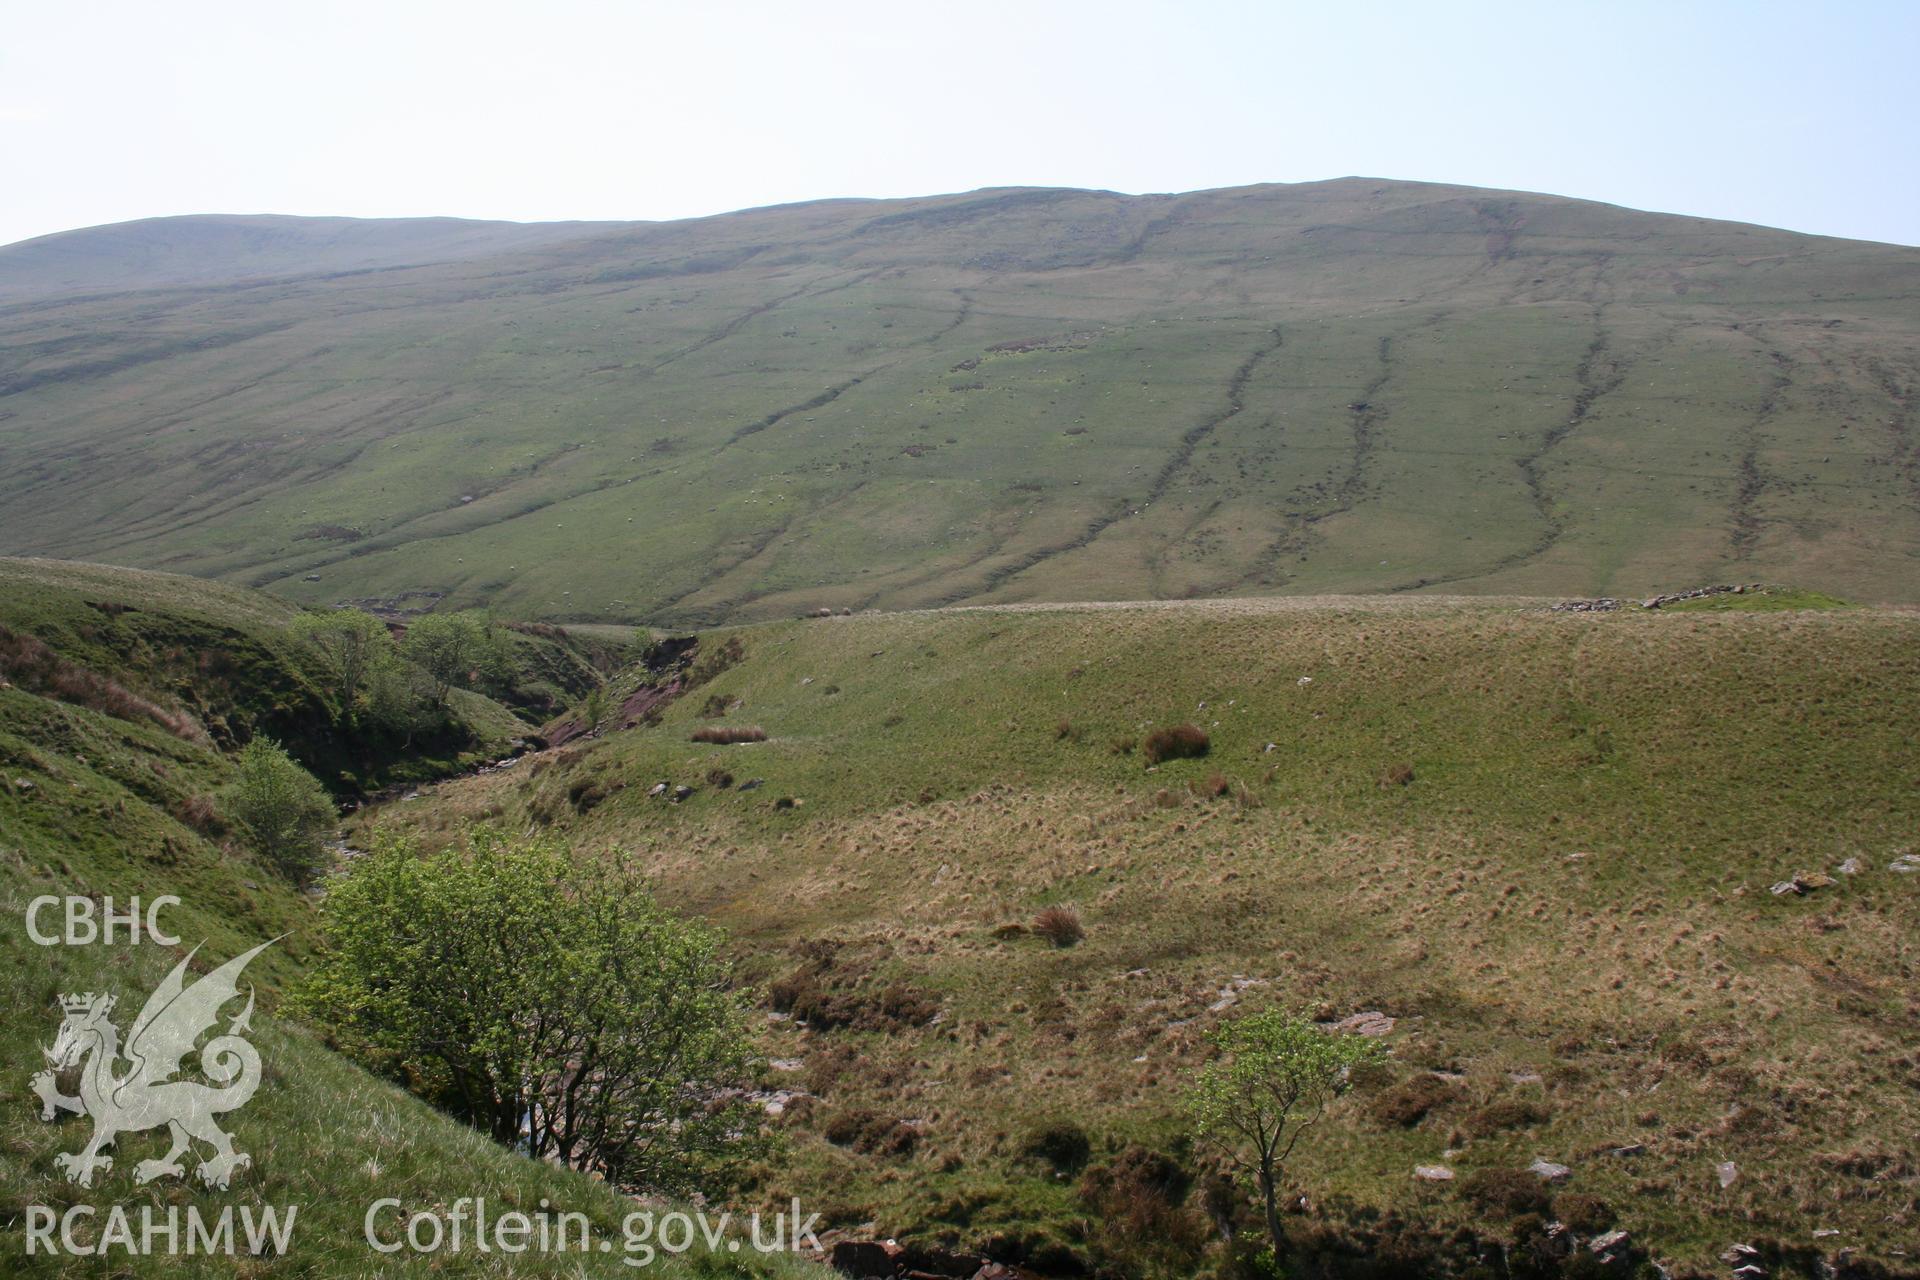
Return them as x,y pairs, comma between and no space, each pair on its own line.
1059,925
28,662
728,735
1178,742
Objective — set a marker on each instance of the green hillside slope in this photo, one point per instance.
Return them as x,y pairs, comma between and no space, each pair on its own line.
101,797
1544,844
1355,385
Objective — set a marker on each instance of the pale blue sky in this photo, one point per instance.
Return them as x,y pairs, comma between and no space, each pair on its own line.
1794,115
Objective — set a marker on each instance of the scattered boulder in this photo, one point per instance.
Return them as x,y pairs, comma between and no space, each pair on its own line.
1433,1173
1727,1171
1808,881
1611,1246
659,788
1905,864
1548,1171
1852,867
752,784
1368,1023
1627,1150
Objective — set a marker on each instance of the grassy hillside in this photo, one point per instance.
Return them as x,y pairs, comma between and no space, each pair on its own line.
103,790
214,666
1356,385
1542,843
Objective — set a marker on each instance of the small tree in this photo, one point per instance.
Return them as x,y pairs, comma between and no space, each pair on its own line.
1272,1079
555,1006
282,812
353,643
399,697
456,650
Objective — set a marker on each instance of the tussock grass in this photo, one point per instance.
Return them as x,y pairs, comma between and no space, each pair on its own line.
1595,923
1059,925
729,735
1178,742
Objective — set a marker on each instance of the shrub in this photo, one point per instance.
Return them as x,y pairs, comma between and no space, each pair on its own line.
1398,775
1504,1193
1181,741
1407,1103
871,1133
719,779
1217,784
817,995
1123,746
1062,1144
200,813
1059,925
1138,1199
1587,1214
282,811
1135,1169
1064,730
727,735
1503,1114
486,977
585,793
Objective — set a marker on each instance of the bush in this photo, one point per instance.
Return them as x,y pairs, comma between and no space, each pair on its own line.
1504,1114
1123,746
1504,1193
1064,731
200,813
1059,925
727,735
871,1134
1398,775
1587,1214
283,813
719,779
1407,1103
1217,784
486,978
1138,1199
1182,741
1062,1144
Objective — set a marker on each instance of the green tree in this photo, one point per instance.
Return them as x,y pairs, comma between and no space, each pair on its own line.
456,650
353,642
283,813
1271,1080
553,1005
400,697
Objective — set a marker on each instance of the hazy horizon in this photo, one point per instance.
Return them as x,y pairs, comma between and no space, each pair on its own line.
560,221
1766,113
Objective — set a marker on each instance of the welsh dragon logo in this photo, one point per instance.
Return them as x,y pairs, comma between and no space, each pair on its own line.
142,1094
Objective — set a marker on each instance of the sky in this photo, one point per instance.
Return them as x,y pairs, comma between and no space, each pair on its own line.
1792,115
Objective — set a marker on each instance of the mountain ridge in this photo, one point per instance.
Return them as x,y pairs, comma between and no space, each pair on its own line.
895,403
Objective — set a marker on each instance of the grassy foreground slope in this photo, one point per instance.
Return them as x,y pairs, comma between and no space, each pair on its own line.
1542,843
110,784
1357,385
